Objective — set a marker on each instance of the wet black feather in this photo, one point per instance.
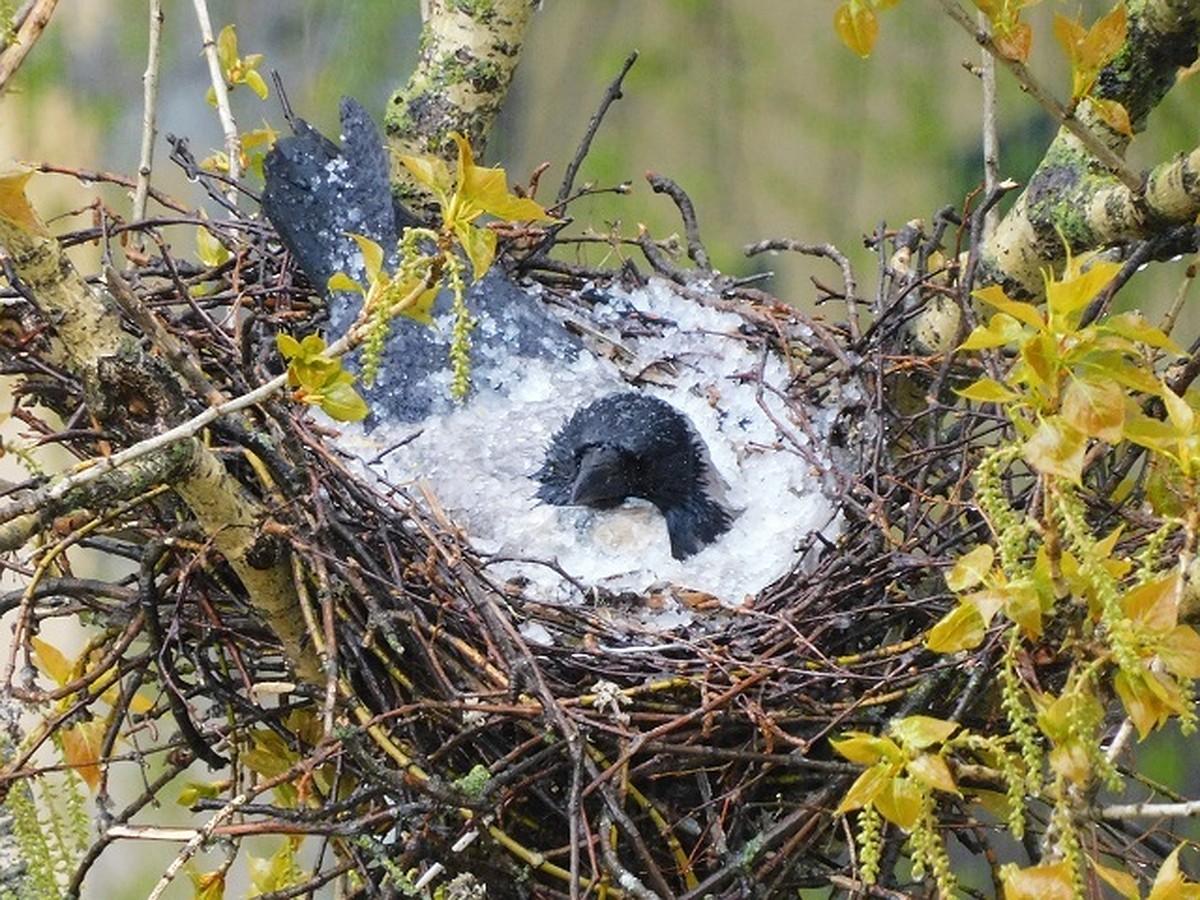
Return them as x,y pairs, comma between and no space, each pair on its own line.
633,445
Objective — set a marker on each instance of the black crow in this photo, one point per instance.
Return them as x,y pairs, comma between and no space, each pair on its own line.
633,445
316,195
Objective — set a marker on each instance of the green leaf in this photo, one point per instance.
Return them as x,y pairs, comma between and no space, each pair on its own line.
342,402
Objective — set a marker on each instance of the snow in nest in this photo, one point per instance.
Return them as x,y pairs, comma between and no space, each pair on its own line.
478,457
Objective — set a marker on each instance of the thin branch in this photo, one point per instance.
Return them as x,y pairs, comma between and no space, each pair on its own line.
610,96
217,77
829,252
687,211
149,110
991,141
27,35
1107,157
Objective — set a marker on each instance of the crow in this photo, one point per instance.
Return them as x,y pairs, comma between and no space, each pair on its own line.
551,387
634,445
316,195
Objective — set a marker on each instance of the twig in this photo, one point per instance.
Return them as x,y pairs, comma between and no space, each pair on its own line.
829,252
1107,157
991,141
27,35
663,185
149,111
178,355
610,96
217,77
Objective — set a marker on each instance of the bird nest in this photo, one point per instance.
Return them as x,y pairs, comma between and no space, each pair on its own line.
443,744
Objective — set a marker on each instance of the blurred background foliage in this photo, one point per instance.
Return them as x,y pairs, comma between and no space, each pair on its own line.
756,109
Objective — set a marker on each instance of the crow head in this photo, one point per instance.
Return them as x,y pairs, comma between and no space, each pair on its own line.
632,445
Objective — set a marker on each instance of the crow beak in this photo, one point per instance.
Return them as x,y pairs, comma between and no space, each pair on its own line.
602,480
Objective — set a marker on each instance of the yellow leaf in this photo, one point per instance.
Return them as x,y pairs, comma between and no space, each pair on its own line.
1075,291
899,801
372,256
971,568
210,250
421,309
865,789
960,629
1095,408
340,281
1053,881
1155,604
342,402
932,771
1135,327
207,885
1023,604
1120,880
1027,313
986,390
1001,329
856,24
14,205
1015,41
919,732
1148,700
866,749
1114,114
1056,449
52,662
480,247
1170,883
227,47
1180,651
81,745
256,83
430,171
